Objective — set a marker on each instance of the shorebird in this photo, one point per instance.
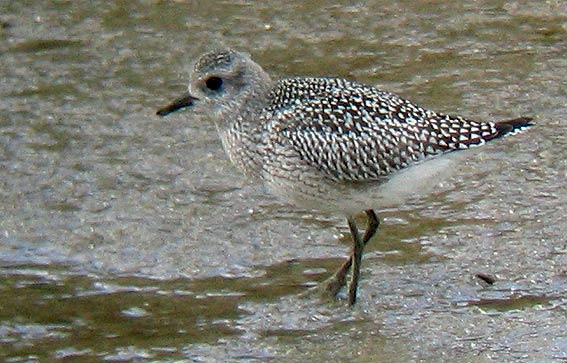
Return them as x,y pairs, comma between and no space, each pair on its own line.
329,144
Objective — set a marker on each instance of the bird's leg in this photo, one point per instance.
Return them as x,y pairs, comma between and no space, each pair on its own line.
339,279
357,250
373,224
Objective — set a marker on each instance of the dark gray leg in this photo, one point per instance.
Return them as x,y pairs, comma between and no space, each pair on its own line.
357,251
339,280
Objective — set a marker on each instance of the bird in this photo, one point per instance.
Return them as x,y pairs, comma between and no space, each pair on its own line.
330,145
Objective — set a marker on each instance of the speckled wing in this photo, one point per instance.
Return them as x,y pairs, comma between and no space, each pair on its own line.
351,131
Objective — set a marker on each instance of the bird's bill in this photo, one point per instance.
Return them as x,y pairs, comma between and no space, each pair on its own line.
182,102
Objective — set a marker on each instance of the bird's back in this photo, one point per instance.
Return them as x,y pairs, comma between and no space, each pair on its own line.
353,132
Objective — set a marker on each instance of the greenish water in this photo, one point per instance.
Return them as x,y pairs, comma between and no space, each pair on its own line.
124,237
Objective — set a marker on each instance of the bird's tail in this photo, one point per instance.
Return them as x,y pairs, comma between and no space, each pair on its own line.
511,127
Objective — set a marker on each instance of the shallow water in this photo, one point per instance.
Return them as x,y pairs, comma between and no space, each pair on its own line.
125,237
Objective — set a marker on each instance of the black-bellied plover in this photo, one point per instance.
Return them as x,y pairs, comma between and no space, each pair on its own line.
330,144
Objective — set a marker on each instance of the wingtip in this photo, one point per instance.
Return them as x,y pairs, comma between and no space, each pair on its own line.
514,125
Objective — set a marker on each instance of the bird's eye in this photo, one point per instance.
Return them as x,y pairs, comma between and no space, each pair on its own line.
214,83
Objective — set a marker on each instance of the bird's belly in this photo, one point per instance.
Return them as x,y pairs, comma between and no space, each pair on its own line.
317,193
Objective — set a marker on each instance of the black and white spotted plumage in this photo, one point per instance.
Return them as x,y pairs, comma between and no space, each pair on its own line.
351,131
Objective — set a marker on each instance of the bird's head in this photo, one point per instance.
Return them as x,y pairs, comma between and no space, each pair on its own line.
221,82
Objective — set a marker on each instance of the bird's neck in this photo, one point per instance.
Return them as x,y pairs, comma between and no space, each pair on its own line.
239,142
240,129
240,134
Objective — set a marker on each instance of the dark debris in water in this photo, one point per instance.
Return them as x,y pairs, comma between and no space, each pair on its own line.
490,280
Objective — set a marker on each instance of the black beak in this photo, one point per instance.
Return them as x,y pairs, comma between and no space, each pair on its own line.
184,101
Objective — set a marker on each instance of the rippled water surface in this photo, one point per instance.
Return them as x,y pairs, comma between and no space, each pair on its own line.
125,237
